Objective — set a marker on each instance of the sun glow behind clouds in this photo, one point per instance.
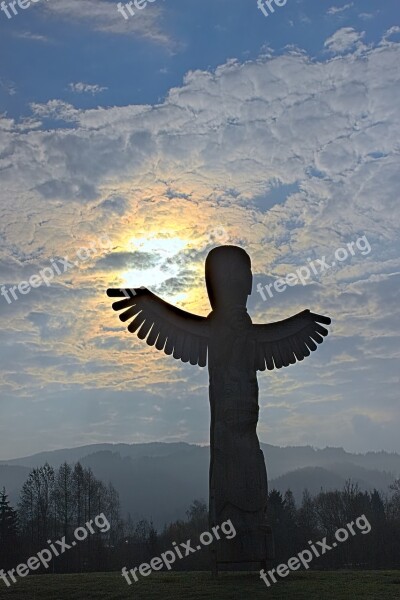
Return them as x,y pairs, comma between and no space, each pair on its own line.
164,246
163,250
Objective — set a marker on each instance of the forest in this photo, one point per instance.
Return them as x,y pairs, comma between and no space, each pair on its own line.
55,503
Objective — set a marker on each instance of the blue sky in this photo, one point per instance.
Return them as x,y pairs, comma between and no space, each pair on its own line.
192,117
48,46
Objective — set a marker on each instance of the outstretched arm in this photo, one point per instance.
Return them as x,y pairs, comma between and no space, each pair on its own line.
177,332
283,343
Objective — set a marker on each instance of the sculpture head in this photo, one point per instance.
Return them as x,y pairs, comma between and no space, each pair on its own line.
228,277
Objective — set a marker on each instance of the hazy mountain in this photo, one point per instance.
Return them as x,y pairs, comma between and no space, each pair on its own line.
316,478
71,455
160,480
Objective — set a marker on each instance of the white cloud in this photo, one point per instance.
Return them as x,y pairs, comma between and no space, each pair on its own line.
343,39
334,10
103,16
83,88
56,109
34,37
366,16
391,32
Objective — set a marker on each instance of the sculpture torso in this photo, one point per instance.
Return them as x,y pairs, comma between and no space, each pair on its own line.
236,453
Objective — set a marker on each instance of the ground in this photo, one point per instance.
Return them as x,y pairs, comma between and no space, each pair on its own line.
311,585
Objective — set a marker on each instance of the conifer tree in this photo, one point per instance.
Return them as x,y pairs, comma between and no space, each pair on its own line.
8,529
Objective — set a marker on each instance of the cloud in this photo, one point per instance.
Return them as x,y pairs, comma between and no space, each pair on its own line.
366,16
127,260
391,32
55,109
84,88
343,39
115,204
103,16
34,37
334,10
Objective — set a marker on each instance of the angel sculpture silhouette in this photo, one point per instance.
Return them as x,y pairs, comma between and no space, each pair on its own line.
235,350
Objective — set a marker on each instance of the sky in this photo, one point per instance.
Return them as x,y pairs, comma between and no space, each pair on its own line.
130,147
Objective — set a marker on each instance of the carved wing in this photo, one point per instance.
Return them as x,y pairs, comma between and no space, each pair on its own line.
283,343
168,328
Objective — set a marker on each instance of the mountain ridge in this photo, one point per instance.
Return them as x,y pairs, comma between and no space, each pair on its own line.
159,480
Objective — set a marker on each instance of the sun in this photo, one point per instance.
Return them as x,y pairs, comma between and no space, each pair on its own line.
163,251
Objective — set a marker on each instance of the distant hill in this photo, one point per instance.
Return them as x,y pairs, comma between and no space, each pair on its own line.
70,455
160,480
316,478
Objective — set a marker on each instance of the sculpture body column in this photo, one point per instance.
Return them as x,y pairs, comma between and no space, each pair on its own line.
238,478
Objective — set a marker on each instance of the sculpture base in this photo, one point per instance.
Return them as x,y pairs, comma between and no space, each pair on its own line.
248,546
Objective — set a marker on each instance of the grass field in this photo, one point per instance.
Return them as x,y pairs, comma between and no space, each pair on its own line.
315,585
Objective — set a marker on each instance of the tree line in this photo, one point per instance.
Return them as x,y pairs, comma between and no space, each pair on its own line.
320,516
53,503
